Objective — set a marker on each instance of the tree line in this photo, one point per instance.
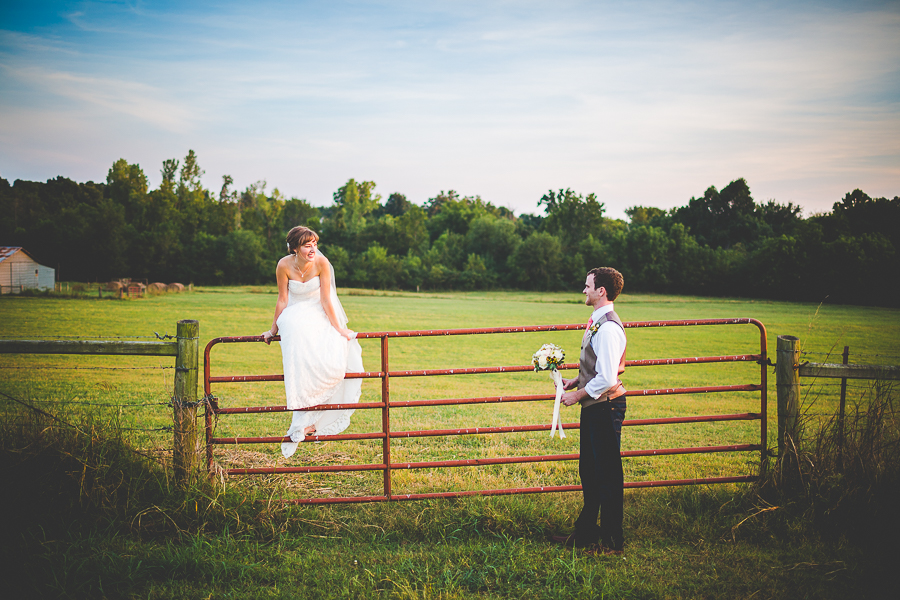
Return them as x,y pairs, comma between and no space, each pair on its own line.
720,243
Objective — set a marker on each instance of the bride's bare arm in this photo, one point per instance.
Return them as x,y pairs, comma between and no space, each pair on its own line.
325,296
281,276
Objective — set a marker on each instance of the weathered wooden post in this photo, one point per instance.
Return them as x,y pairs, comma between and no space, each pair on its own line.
842,410
787,386
184,401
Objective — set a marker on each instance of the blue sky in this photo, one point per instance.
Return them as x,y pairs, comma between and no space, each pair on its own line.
638,102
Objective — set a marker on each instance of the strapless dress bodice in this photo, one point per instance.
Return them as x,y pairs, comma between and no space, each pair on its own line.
303,291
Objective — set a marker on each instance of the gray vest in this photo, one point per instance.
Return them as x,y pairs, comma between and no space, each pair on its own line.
587,369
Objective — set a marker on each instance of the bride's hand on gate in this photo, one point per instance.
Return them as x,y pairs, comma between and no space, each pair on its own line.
267,336
347,333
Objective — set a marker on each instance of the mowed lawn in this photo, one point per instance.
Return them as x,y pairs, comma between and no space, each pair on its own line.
134,390
701,542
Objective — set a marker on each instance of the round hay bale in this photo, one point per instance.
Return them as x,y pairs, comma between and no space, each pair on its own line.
176,287
114,286
157,288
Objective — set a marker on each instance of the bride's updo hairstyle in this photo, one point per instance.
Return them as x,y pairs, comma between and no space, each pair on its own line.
300,235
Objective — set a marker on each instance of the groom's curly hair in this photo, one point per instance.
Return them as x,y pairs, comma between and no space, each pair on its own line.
610,279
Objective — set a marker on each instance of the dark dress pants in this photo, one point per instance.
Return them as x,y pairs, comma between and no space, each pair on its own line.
602,481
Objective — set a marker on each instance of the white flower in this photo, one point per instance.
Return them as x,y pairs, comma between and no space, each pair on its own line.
550,356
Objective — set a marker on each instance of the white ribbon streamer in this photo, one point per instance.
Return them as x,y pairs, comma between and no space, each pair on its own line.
557,422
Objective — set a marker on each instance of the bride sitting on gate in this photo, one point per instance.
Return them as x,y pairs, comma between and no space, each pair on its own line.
317,349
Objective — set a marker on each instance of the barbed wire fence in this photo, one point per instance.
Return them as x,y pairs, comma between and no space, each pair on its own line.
156,336
40,393
825,393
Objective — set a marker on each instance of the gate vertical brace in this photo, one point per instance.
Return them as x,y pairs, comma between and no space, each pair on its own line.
208,412
184,402
386,417
763,402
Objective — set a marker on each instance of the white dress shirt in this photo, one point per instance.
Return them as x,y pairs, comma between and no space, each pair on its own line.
608,344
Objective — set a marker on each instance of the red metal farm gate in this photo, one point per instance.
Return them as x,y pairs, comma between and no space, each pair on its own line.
214,411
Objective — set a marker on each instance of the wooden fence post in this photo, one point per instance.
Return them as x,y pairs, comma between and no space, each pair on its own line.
787,386
184,403
843,407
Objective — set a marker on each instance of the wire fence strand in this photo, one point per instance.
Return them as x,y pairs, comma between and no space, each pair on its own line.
836,354
155,336
109,404
54,368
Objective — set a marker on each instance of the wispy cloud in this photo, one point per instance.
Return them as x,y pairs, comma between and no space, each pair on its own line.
138,100
647,103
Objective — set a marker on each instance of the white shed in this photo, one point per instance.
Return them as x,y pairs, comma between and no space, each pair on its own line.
18,271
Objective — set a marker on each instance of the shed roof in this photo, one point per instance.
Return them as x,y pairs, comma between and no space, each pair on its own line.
7,251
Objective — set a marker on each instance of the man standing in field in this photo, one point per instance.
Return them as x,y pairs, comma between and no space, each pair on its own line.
602,398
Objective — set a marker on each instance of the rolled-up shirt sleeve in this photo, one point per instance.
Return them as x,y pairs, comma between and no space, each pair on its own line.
608,344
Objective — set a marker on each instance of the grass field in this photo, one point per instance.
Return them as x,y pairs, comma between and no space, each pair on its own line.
486,547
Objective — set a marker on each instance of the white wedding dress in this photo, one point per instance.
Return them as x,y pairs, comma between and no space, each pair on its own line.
315,358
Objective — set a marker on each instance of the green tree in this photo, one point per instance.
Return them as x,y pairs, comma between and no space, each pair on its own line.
647,258
244,258
299,212
226,194
858,214
127,186
723,219
341,262
449,250
396,205
648,215
475,275
354,202
262,214
413,271
168,172
449,212
224,216
537,263
571,217
378,269
191,197
493,240
411,231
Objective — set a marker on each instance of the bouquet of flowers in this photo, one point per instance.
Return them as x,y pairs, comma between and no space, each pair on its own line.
549,358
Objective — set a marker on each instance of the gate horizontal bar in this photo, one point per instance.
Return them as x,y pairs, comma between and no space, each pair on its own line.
525,329
486,400
508,492
502,369
568,426
696,419
698,481
503,460
652,362
270,409
274,377
535,328
476,462
750,387
480,430
310,469
310,438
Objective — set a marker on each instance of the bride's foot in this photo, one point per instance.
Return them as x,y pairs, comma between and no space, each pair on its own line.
309,430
